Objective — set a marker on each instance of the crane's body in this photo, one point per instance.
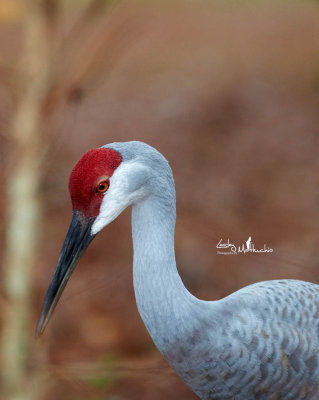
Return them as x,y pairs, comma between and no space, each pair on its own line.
261,342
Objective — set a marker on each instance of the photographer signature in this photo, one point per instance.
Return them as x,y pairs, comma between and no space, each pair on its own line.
247,247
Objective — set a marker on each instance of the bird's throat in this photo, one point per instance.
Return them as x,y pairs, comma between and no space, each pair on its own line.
163,301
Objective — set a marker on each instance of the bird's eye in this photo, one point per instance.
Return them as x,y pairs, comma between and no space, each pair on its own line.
103,186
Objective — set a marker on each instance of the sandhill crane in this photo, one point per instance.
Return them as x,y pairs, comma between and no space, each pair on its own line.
261,342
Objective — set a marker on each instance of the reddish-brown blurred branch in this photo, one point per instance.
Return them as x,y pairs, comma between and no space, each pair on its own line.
91,49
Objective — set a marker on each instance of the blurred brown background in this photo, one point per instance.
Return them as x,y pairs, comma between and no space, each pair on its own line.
228,91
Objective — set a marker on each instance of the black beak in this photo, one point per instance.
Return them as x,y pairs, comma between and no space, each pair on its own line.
76,242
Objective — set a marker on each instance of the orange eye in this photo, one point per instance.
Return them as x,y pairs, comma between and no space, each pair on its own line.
103,186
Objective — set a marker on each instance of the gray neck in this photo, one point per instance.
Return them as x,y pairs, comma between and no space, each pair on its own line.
163,301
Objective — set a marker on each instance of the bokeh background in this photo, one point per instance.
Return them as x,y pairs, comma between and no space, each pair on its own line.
228,91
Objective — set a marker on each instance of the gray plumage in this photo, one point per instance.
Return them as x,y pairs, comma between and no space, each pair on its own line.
260,342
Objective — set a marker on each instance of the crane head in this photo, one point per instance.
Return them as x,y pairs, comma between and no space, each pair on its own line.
101,186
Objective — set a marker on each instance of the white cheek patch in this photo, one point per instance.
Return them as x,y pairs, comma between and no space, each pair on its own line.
126,186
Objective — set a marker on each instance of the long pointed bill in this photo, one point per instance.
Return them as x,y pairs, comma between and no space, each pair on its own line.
77,240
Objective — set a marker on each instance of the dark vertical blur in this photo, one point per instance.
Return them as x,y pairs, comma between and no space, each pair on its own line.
229,93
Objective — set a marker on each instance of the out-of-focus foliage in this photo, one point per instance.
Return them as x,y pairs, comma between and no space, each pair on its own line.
11,11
